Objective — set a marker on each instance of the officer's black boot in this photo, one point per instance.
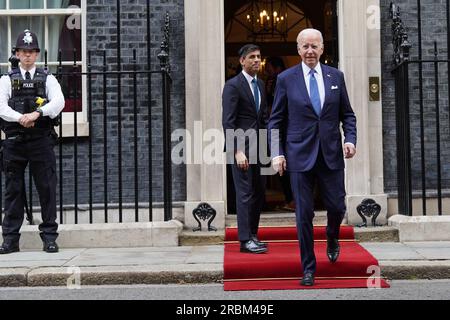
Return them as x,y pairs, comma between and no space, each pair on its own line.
49,244
9,247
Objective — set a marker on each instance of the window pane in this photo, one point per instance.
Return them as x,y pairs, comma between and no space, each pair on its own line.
2,4
35,24
64,34
3,44
51,4
26,4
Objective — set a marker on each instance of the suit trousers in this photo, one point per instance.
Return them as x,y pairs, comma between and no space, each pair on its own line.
332,190
41,157
250,188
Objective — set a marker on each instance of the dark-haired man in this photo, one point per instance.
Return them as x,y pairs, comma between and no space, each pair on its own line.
244,114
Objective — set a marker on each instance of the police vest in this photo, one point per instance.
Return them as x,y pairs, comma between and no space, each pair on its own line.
23,100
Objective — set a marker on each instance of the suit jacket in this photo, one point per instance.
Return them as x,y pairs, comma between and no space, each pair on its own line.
239,111
301,130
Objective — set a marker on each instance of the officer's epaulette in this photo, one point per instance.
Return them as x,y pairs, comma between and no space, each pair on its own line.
42,70
13,71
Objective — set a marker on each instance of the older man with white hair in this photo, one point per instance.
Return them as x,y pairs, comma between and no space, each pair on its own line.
310,103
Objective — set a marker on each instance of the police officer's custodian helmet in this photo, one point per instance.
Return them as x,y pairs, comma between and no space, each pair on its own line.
27,40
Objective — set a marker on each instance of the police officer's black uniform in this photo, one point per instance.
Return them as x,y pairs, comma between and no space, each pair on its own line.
32,145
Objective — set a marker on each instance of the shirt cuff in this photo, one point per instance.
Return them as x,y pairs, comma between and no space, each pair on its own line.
351,144
17,116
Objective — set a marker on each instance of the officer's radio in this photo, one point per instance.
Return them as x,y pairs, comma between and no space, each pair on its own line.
13,59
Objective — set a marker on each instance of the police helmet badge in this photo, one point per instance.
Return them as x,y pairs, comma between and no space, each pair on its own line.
28,39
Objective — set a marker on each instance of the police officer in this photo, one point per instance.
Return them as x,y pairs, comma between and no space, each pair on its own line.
30,138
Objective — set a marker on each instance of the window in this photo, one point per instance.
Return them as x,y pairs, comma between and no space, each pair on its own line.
59,26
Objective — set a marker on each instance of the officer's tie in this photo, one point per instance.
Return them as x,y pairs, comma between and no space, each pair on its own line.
314,92
27,75
256,93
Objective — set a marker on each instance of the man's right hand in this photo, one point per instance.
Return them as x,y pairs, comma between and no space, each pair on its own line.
279,164
241,160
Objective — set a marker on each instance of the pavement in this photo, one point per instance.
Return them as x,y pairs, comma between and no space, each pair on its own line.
190,264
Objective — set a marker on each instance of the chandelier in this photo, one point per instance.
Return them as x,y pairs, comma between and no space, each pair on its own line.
267,19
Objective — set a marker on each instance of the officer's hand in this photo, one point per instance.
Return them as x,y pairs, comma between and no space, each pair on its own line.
241,160
24,121
27,120
33,116
279,165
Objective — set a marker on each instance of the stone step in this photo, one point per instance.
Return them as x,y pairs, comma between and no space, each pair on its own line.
369,234
201,238
279,219
377,234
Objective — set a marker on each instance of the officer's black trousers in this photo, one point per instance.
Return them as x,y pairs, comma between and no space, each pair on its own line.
41,157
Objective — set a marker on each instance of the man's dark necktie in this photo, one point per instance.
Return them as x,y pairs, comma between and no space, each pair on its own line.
314,92
27,76
256,93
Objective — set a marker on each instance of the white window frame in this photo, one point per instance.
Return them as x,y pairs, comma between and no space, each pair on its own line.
67,117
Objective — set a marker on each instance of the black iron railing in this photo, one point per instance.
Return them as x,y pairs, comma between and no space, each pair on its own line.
420,99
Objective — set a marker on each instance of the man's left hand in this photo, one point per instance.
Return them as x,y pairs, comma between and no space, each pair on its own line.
349,150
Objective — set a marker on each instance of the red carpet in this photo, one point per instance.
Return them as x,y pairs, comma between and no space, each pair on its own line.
280,267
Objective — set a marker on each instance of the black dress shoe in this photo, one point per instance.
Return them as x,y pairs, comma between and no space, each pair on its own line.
9,248
259,243
50,246
308,279
333,249
251,247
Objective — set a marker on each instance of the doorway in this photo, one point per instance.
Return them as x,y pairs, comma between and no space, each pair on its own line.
274,25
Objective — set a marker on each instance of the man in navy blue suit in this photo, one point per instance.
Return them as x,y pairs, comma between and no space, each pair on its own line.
244,114
310,103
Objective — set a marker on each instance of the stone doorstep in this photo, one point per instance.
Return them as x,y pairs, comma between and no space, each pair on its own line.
107,235
369,234
201,238
377,234
183,274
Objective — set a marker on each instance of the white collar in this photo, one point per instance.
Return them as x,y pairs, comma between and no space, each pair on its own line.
307,69
31,71
249,77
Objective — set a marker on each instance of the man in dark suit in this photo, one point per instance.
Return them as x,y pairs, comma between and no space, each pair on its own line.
244,115
310,103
